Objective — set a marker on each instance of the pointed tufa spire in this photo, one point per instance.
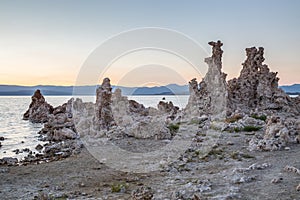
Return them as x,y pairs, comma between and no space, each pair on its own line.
104,116
210,95
217,52
39,109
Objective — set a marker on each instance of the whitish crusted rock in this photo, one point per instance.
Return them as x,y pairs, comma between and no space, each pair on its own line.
292,169
137,121
103,112
142,193
210,95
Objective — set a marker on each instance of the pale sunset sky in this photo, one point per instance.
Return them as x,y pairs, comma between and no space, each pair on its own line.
46,42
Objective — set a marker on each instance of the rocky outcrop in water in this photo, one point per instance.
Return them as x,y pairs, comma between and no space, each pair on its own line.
59,130
39,109
210,95
60,125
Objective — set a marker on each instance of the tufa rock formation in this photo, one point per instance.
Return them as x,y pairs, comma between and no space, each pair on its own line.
104,116
256,88
134,120
39,109
60,125
59,130
210,95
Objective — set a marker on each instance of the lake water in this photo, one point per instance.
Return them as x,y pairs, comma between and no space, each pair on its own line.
21,134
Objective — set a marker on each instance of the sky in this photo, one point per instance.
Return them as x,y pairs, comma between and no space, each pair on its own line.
47,42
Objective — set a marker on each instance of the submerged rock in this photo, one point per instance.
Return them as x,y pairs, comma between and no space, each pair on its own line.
8,161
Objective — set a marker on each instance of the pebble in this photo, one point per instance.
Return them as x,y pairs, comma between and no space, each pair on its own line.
287,148
39,147
4,170
1,138
276,180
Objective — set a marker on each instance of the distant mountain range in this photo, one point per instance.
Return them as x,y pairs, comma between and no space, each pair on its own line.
16,90
291,89
171,89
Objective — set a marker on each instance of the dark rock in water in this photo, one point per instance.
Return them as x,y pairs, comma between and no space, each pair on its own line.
8,161
1,138
17,151
39,109
0,144
103,116
39,147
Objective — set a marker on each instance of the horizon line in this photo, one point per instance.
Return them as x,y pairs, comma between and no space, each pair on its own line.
3,84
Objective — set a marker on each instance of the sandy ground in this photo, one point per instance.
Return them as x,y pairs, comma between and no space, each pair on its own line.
83,177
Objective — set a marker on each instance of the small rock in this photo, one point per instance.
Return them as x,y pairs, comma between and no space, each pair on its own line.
9,161
17,151
39,147
1,138
276,180
287,148
259,166
298,188
4,170
292,169
142,193
81,185
230,143
245,179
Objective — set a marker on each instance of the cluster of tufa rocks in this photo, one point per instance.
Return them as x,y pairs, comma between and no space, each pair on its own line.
257,88
59,135
252,102
252,97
